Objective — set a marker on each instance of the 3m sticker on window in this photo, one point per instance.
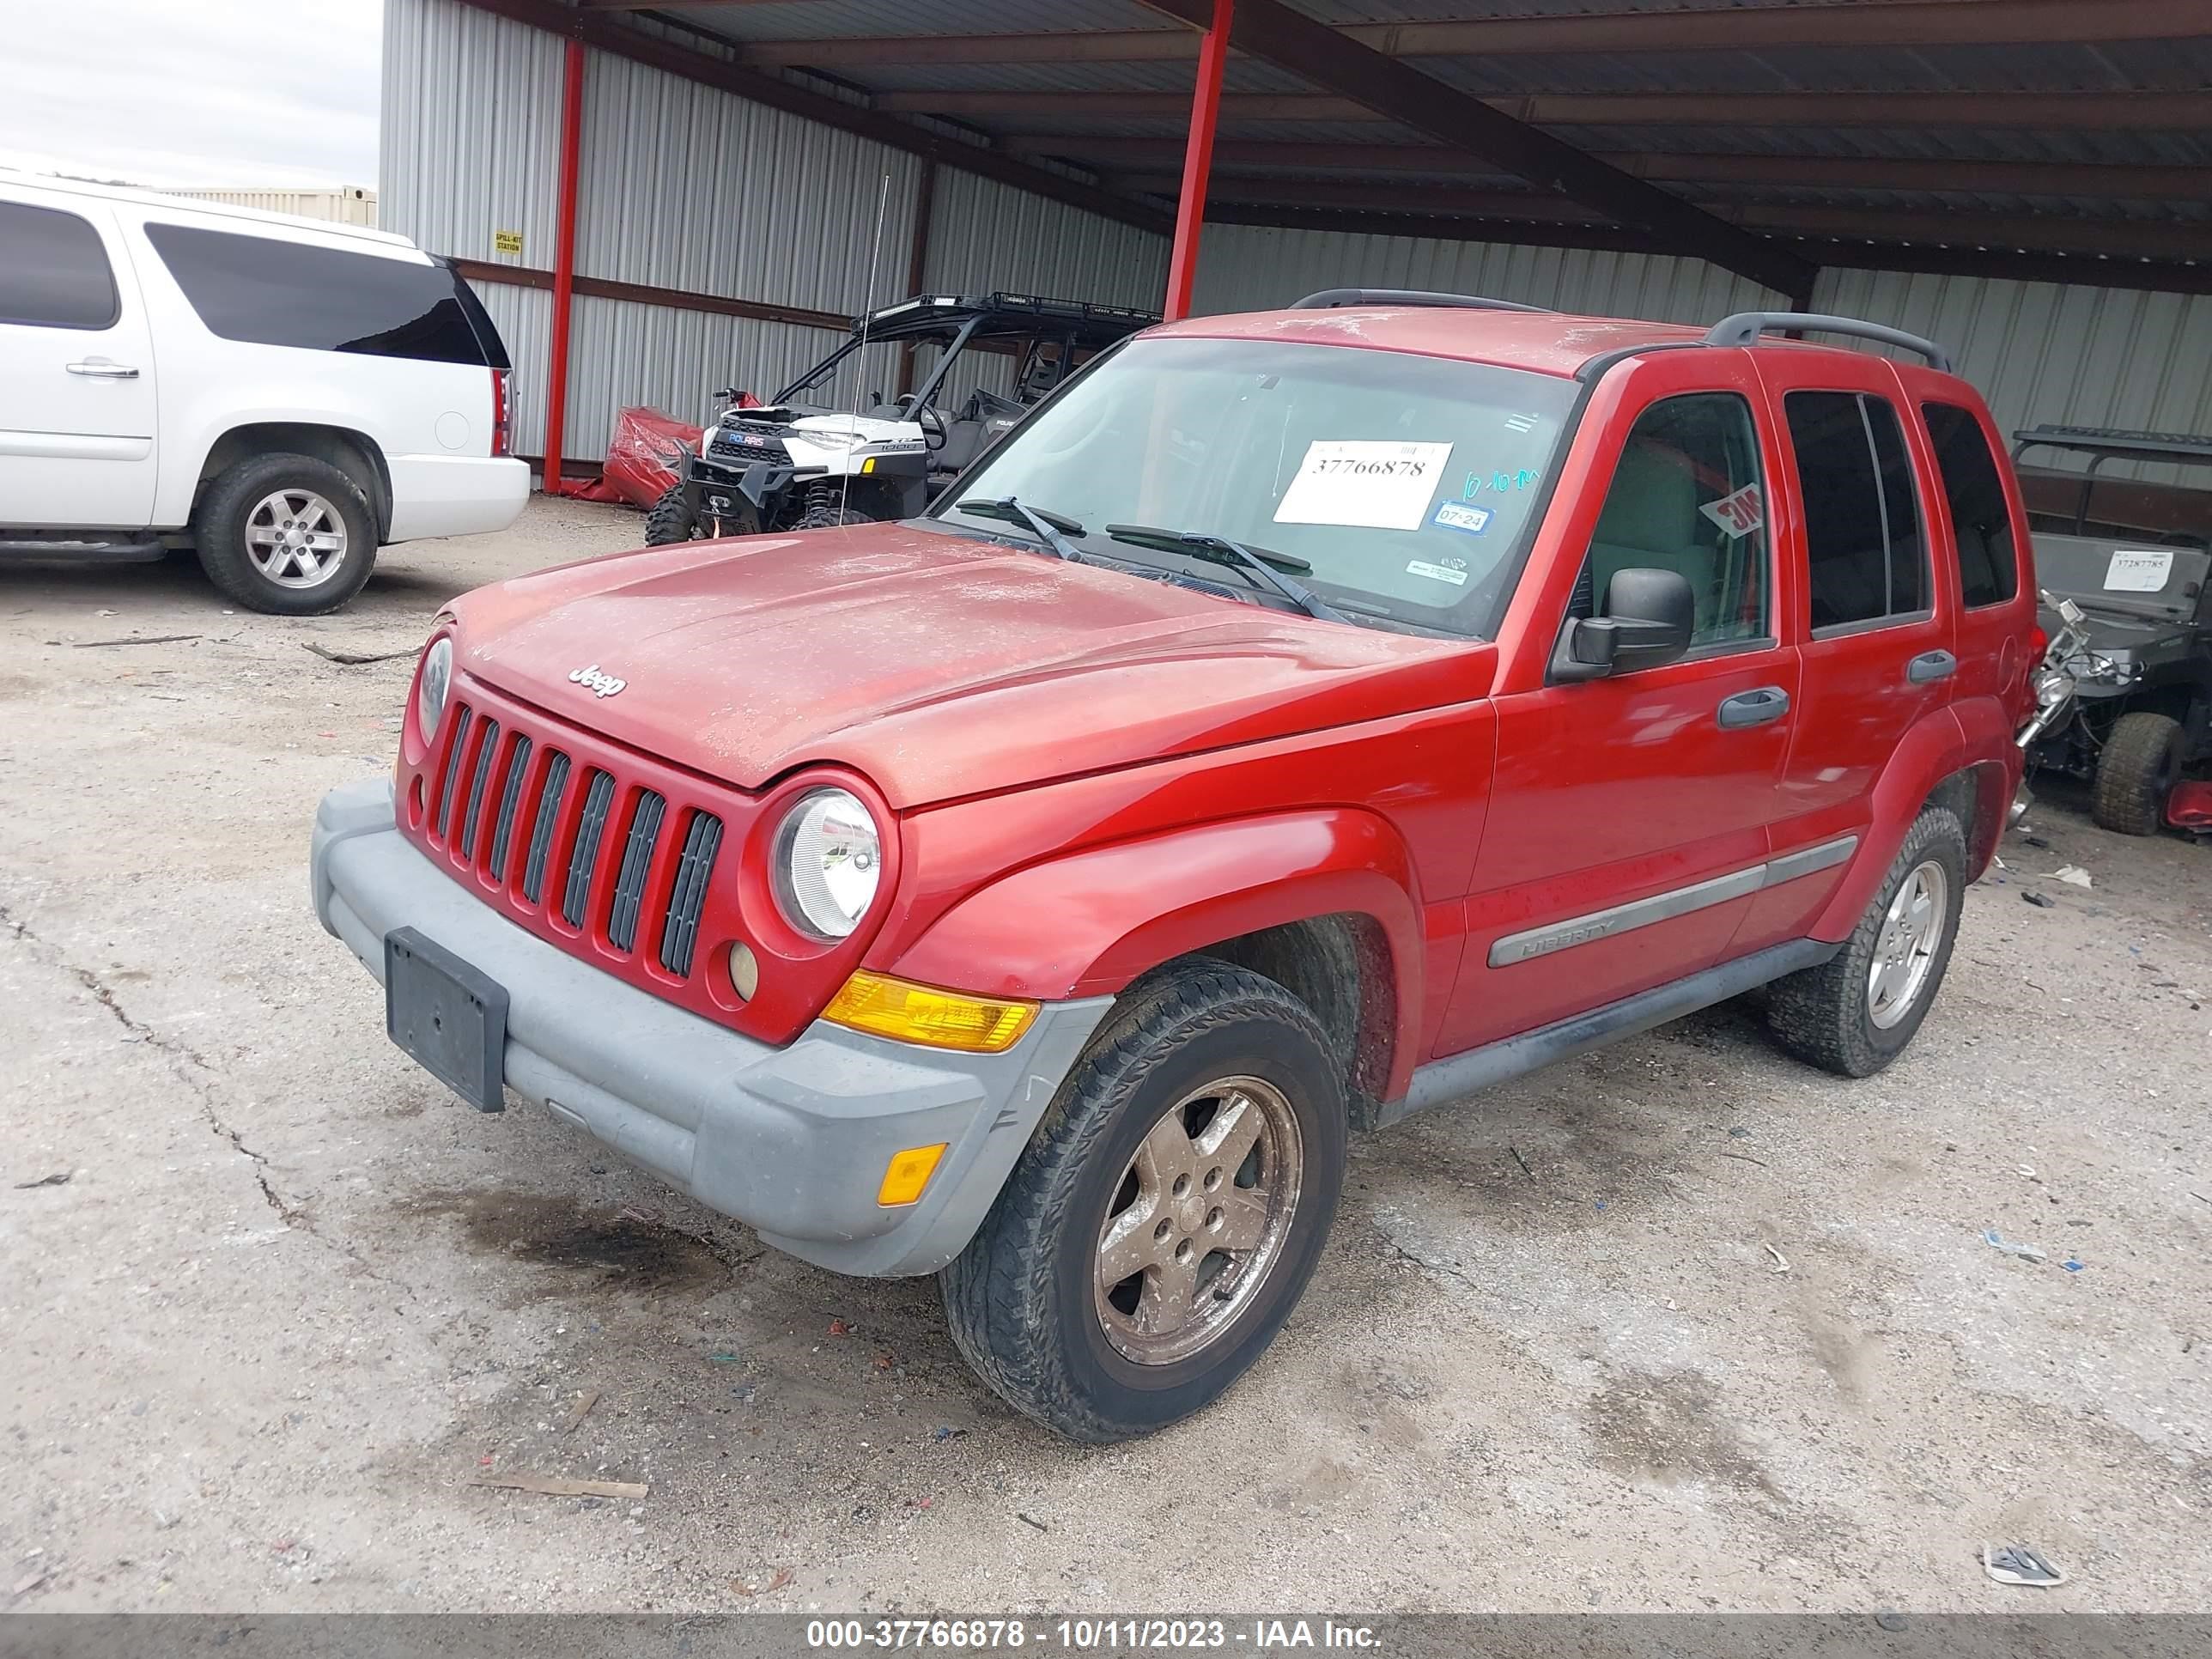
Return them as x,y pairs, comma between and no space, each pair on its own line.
1738,514
1363,483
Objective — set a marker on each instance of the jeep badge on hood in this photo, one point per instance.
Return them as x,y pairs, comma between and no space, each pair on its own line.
598,685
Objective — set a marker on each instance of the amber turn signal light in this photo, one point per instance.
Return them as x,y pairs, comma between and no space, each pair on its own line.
907,1174
896,1008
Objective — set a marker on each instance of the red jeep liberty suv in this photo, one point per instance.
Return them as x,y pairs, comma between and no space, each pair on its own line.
1301,718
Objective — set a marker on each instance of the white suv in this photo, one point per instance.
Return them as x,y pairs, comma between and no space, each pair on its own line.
282,395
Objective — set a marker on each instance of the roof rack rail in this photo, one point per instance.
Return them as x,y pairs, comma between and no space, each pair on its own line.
1330,298
1746,326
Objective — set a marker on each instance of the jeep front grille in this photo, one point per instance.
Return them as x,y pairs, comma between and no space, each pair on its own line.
680,931
584,856
630,879
625,862
487,746
510,798
541,832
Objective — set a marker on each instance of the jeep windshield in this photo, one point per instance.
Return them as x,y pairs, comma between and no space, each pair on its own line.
1403,487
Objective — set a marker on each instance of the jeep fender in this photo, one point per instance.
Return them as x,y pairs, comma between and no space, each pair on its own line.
1946,741
1088,924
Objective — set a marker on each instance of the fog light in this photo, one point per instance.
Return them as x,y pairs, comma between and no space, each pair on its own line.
745,971
882,1007
907,1174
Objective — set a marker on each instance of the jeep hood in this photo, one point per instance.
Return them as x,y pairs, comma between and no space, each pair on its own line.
939,666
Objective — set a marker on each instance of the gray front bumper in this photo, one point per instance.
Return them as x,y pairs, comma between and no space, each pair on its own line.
792,1141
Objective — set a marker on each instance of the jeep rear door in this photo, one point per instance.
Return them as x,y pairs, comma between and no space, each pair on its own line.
1879,652
76,368
1629,818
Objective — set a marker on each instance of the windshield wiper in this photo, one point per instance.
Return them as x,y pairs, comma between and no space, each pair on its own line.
1219,549
1051,528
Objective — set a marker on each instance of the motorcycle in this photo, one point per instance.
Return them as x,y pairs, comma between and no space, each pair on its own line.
2056,681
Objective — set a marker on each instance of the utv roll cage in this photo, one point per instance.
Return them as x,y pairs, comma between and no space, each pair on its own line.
1021,322
2103,444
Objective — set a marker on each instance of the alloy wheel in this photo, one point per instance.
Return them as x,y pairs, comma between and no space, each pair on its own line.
1198,1220
295,538
1905,953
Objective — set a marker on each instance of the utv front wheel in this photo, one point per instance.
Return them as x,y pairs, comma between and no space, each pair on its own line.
1162,1223
669,519
2137,771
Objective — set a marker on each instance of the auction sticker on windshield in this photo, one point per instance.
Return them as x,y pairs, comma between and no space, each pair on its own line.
1375,485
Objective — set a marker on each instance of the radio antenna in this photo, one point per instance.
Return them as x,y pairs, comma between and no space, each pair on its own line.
867,311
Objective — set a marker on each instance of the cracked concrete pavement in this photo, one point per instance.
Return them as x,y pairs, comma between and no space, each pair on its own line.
293,1300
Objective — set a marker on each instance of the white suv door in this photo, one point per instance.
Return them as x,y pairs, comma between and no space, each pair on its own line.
76,369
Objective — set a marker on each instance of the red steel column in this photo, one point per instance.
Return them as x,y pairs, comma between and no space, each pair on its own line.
564,262
1197,163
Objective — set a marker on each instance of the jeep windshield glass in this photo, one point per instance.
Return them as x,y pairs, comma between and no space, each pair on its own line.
1409,483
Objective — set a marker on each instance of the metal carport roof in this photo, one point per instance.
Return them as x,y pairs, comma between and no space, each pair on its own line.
2064,139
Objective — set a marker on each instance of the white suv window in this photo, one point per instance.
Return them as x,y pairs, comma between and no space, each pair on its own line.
53,271
262,291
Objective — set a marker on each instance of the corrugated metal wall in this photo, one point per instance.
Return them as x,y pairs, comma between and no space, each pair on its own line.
2038,352
685,187
1255,268
470,132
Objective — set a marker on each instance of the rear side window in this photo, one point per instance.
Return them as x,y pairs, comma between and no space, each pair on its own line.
1981,520
1863,537
267,292
53,271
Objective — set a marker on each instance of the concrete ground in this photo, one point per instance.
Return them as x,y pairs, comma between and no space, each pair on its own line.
292,1299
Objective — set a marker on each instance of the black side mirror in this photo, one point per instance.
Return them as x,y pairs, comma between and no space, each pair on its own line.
1648,619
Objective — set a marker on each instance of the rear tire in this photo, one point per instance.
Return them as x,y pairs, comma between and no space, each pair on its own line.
669,519
1855,1013
1207,1110
2141,764
286,534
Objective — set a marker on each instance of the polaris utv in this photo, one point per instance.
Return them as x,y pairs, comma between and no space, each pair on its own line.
2136,557
800,461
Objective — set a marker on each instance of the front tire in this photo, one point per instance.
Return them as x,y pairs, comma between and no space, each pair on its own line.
1855,1013
286,534
669,519
2141,764
1167,1214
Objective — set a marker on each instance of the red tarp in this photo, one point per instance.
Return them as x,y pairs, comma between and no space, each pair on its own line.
643,456
2189,806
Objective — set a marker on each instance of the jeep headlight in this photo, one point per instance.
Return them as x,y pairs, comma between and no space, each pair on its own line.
829,859
430,683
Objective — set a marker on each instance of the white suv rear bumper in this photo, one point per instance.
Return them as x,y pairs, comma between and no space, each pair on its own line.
455,494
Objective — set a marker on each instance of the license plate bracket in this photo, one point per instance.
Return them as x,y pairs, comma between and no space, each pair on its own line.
447,1016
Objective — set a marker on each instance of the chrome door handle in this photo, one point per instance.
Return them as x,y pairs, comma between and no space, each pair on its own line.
1760,707
1930,665
96,369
